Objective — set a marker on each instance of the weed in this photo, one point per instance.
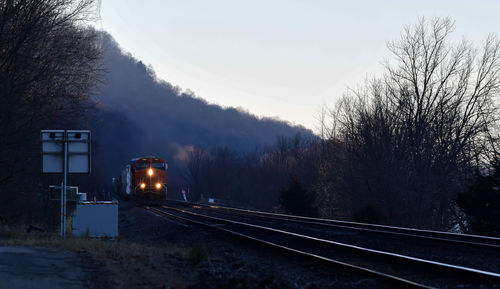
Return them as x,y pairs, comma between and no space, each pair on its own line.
197,255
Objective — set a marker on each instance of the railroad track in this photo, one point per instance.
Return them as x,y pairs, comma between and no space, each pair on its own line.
394,270
479,255
446,237
466,253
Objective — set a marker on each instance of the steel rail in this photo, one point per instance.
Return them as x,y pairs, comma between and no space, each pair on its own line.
462,272
382,277
428,249
466,239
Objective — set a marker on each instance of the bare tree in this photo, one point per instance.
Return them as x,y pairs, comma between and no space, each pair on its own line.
49,64
413,138
256,178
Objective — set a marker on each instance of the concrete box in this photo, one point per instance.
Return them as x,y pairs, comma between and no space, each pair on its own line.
97,219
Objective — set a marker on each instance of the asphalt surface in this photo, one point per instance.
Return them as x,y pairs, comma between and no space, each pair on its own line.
23,267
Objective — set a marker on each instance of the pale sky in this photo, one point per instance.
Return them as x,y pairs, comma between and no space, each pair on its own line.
280,59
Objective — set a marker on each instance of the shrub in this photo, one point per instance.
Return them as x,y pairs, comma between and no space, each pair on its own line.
370,213
481,203
297,200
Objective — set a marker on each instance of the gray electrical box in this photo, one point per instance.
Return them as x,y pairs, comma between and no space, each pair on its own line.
55,193
97,219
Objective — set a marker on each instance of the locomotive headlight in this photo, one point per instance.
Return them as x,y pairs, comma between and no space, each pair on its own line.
150,172
143,185
158,186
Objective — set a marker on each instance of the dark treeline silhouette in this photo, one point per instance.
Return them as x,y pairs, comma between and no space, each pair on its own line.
401,147
253,179
49,65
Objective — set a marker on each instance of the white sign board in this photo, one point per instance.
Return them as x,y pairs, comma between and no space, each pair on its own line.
52,151
78,151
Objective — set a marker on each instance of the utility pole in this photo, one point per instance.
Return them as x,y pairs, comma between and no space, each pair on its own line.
65,151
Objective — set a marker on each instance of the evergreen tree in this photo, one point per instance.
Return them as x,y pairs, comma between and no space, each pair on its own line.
297,200
481,203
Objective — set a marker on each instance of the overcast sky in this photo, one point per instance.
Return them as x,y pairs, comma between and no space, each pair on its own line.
282,59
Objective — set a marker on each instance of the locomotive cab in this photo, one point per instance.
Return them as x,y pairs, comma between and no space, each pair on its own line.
148,178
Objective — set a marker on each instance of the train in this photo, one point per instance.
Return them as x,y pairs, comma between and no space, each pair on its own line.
145,179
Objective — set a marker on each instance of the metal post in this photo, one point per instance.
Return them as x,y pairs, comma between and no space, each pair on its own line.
62,210
63,224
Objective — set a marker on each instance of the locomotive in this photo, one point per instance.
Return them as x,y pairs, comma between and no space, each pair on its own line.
145,179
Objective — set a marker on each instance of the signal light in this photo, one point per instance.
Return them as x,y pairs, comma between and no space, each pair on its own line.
143,185
158,186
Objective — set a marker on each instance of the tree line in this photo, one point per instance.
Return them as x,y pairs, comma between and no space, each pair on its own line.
49,66
399,149
251,179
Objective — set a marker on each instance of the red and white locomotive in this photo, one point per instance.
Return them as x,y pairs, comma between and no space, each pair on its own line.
145,178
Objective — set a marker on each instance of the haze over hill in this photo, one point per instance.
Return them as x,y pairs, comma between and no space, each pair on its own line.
142,115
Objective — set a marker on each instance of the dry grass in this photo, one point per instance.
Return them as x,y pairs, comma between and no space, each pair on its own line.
131,265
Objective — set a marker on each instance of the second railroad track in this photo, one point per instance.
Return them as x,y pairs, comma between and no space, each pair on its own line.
388,268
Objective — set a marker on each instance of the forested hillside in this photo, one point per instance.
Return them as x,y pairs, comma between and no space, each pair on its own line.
165,113
140,114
